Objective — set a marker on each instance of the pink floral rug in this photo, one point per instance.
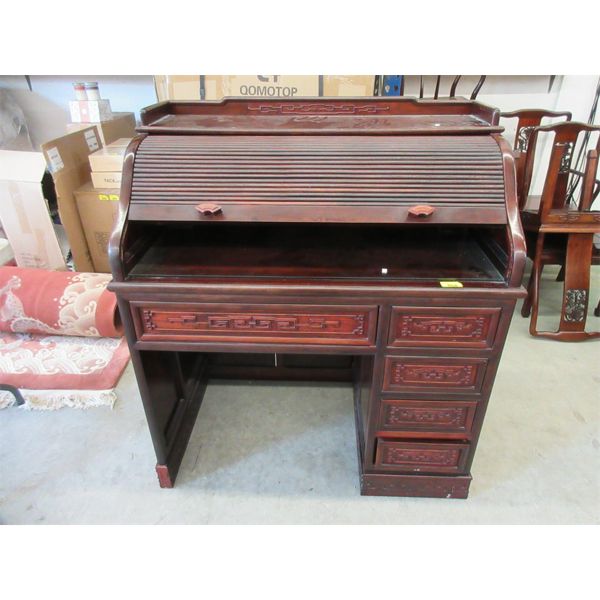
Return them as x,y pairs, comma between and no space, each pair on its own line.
60,339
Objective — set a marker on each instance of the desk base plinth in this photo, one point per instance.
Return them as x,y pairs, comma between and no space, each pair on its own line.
425,486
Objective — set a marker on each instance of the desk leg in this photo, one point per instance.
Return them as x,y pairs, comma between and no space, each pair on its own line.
171,399
526,308
178,428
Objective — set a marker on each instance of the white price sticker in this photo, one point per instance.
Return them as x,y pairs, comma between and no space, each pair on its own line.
56,163
92,142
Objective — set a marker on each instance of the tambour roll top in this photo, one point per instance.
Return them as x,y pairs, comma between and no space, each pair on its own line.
404,161
309,173
393,171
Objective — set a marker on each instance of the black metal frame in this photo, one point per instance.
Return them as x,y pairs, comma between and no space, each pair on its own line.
19,401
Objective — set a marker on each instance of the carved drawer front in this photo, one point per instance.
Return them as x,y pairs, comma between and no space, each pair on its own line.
348,325
421,457
444,326
426,415
426,374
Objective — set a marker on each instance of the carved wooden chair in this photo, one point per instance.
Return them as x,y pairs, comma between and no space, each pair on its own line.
559,232
453,86
528,119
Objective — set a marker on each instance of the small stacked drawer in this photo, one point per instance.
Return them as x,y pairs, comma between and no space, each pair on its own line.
435,373
426,416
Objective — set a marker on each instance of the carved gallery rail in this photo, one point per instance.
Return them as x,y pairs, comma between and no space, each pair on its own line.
372,241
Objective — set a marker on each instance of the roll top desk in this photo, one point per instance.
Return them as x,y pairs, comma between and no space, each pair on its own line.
373,241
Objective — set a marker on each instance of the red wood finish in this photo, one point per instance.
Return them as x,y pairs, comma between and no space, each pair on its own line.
209,209
421,210
426,416
562,232
421,457
316,178
259,324
527,120
448,326
425,374
164,477
325,116
321,230
432,486
324,212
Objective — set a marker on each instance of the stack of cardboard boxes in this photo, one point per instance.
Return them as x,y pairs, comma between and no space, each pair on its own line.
98,200
48,218
121,124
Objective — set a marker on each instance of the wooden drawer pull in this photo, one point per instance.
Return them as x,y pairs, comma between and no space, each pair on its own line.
208,209
421,210
183,319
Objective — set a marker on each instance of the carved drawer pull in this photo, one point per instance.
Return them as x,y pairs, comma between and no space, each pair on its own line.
421,210
183,319
324,323
208,209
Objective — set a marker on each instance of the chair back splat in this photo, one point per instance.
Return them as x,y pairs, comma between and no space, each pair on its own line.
528,120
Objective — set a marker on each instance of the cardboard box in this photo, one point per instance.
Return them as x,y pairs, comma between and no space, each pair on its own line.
24,213
106,179
348,85
122,125
68,162
98,210
122,142
215,87
90,111
108,159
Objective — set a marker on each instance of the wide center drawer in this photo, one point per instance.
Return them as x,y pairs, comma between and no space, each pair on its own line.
264,323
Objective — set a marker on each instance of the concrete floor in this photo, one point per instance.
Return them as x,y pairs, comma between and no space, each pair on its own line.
263,453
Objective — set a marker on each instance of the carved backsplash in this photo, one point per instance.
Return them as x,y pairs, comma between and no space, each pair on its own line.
307,108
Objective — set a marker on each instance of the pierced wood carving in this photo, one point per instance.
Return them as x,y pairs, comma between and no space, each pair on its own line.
567,156
523,138
575,305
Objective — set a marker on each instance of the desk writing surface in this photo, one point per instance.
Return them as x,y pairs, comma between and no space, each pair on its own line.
352,252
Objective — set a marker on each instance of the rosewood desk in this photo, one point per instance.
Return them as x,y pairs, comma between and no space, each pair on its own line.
373,240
